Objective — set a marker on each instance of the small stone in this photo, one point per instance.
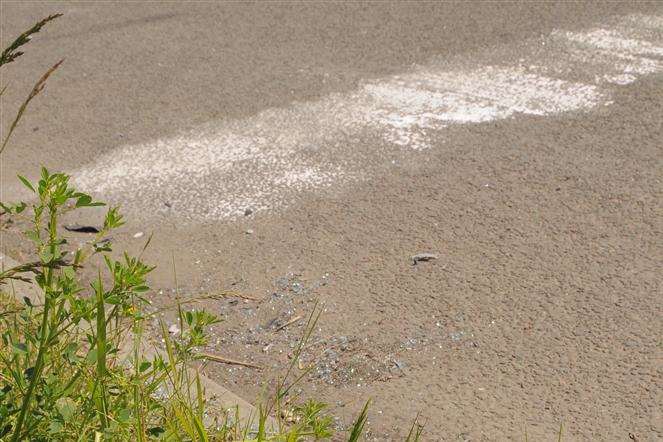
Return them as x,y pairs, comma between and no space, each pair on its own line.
174,330
249,231
457,335
138,234
282,282
248,211
399,364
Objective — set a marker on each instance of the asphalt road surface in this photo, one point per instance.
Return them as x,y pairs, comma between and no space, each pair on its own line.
301,153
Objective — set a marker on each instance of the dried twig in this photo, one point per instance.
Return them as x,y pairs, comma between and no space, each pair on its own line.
217,296
291,321
201,298
234,295
223,360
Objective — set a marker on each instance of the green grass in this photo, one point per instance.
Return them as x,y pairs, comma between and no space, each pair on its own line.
72,367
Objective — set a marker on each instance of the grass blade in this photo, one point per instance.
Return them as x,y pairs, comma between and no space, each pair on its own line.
561,429
415,431
38,87
10,53
101,352
358,427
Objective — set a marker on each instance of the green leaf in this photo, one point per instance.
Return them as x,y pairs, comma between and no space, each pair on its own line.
27,183
83,200
69,272
91,356
113,300
123,415
113,219
20,207
144,366
156,431
55,427
20,347
46,256
29,373
31,234
66,407
70,352
14,208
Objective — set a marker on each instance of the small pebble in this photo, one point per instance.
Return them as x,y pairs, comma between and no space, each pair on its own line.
138,234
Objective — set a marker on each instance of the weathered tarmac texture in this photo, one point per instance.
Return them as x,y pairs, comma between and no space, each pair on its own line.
520,143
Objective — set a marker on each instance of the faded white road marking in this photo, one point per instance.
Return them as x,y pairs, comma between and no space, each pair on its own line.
639,21
614,42
264,162
624,57
433,100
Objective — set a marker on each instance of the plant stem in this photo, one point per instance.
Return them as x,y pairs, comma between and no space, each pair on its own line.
37,372
101,353
44,331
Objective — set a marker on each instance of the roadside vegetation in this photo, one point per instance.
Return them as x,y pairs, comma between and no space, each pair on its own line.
73,360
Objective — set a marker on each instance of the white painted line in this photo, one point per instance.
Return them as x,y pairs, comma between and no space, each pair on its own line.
624,57
640,21
264,162
613,41
433,100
